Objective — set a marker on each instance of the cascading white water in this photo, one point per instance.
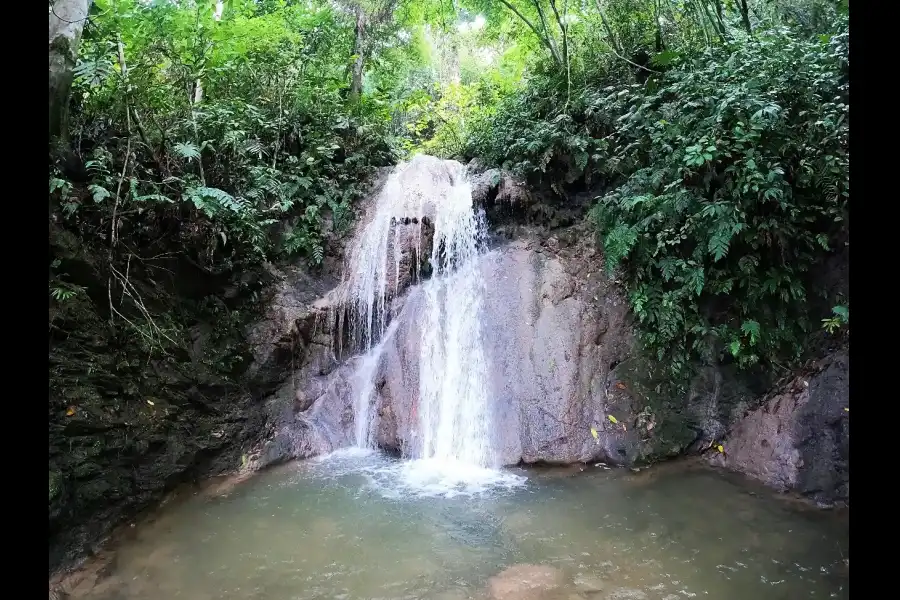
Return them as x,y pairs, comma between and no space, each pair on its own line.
453,416
364,391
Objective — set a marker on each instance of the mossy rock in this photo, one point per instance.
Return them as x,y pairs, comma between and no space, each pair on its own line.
56,485
668,426
687,412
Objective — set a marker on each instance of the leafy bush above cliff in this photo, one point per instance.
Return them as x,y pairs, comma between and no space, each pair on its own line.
221,125
738,179
723,169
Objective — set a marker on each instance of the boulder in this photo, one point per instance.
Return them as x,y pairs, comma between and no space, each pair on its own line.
500,194
799,439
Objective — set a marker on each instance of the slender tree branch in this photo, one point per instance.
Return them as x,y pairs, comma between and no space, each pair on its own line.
604,21
564,30
550,39
531,26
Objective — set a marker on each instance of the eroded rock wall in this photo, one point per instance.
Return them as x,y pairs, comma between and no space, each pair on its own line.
562,362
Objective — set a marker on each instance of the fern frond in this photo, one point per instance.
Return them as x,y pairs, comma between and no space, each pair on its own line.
187,150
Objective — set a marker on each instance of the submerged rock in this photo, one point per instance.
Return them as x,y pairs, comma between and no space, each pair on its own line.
525,582
589,584
627,594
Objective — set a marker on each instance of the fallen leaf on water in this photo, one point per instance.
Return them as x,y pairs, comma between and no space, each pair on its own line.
150,402
613,419
71,411
620,385
594,433
720,449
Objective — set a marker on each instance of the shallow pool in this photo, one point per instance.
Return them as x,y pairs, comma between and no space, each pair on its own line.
350,526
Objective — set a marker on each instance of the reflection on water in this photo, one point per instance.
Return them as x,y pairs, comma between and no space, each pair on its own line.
338,529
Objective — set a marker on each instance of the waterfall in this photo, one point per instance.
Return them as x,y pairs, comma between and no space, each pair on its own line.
454,419
453,416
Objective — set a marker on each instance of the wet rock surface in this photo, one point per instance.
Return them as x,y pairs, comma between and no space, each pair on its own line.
105,467
560,356
799,439
295,320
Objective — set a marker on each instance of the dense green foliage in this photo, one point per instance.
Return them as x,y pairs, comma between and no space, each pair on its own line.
267,137
722,166
737,172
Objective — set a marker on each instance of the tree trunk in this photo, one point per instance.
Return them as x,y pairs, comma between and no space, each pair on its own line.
720,19
67,19
745,16
359,50
611,36
197,96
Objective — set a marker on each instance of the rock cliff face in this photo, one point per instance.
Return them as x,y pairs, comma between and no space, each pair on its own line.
555,326
552,327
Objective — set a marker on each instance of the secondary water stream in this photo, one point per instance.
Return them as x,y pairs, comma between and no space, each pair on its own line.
339,527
